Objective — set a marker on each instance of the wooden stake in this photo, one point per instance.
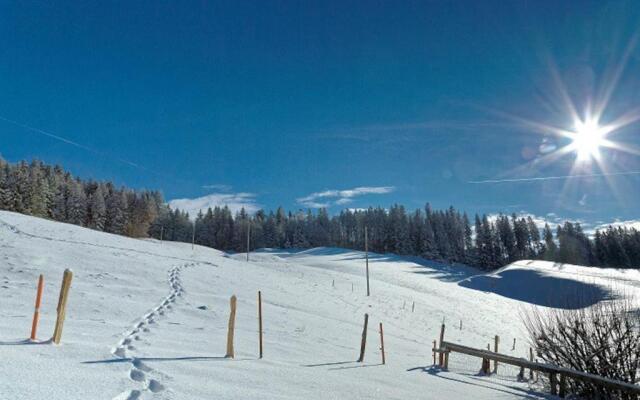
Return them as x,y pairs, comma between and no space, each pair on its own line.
193,236
496,340
366,255
460,324
333,283
62,305
382,344
434,351
260,319
232,325
552,383
530,359
413,306
36,313
441,355
446,361
363,343
514,344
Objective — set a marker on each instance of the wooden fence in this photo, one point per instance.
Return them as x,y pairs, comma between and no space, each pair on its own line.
553,371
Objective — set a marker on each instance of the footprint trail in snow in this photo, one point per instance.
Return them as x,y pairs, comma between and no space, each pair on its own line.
144,377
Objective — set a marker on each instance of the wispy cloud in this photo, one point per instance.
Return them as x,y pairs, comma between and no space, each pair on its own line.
327,198
235,202
219,187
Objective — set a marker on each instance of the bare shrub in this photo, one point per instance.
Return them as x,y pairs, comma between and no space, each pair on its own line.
603,339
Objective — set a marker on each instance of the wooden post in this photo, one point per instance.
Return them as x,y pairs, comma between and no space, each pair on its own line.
248,239
413,306
514,344
333,283
446,361
382,344
441,355
530,359
232,325
366,255
62,305
460,324
486,363
495,350
193,236
260,319
563,386
36,313
434,351
552,383
363,343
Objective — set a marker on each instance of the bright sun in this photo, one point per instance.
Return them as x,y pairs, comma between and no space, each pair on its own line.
589,137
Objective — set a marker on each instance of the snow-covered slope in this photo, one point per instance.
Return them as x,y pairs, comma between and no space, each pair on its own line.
148,319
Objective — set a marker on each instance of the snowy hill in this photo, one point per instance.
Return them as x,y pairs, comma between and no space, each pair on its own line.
148,320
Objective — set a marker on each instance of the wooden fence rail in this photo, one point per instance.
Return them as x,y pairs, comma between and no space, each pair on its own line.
552,370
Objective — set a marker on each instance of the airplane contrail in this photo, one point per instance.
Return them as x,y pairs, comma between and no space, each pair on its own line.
78,145
551,178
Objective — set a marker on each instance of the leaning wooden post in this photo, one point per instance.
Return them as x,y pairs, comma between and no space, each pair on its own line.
366,255
260,319
62,305
441,355
363,343
36,313
382,344
495,350
232,325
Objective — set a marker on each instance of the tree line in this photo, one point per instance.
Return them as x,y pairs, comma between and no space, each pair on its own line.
448,235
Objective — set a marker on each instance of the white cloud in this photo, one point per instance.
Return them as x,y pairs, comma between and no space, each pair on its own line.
235,202
632,223
340,197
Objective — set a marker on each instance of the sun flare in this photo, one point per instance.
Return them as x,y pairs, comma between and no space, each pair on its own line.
588,138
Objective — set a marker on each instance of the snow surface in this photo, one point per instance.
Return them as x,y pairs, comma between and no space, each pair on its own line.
148,320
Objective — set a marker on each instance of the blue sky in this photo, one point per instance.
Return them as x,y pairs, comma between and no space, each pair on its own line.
343,104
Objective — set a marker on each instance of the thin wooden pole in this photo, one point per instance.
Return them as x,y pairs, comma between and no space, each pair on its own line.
514,344
62,305
441,355
36,312
434,351
232,325
366,255
460,324
260,319
496,340
363,343
248,239
382,344
530,359
193,236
